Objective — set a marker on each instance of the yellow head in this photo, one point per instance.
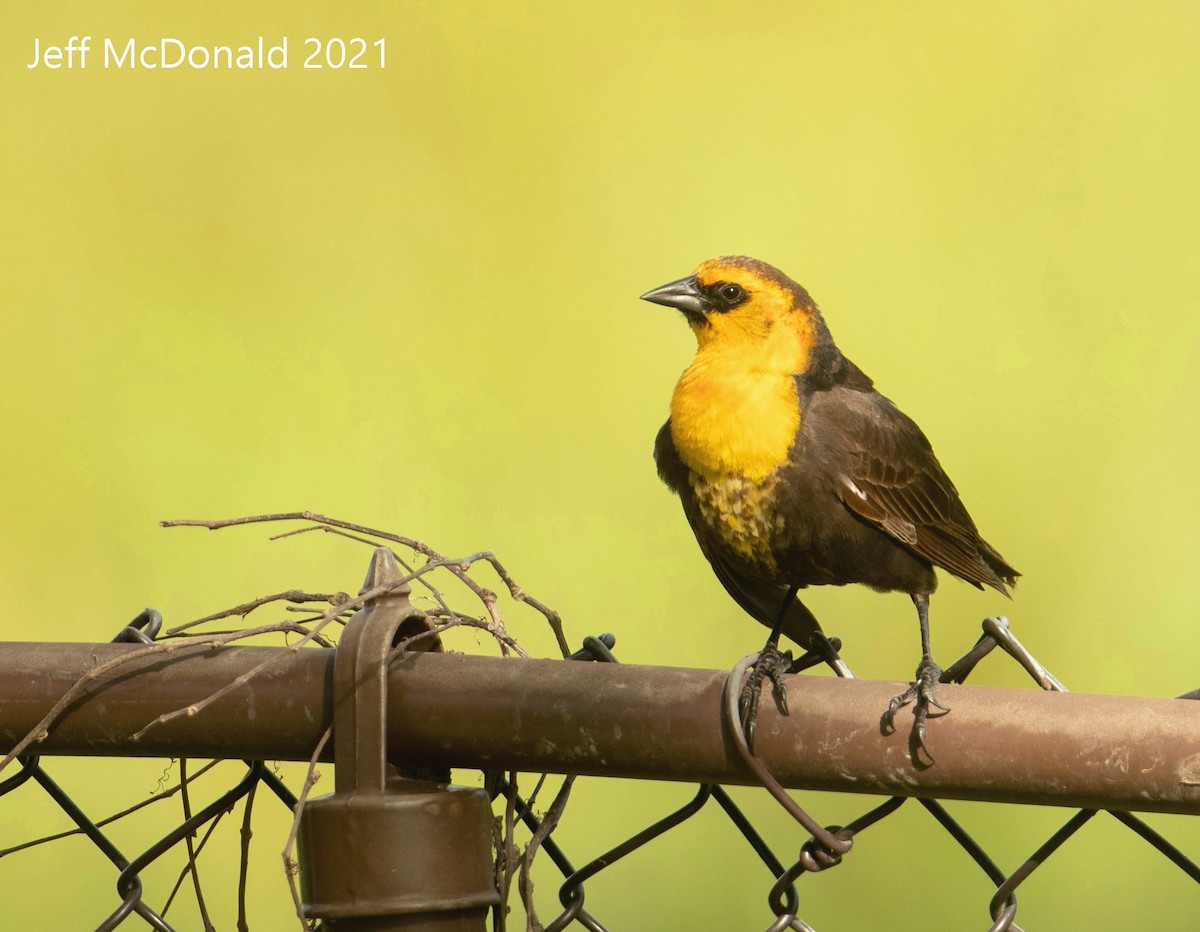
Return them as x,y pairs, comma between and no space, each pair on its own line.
735,410
735,304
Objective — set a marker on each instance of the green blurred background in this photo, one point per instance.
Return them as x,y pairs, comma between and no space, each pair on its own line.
408,297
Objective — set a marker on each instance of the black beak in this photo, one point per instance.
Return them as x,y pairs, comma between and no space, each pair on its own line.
684,294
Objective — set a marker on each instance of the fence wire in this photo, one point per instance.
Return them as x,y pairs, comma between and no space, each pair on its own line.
826,846
143,629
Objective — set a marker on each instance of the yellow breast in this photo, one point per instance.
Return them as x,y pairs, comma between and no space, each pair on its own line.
735,415
732,417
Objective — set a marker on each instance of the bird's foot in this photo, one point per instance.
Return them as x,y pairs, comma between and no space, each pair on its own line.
771,664
923,693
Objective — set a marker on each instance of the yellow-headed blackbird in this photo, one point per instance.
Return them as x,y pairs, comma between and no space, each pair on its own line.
794,471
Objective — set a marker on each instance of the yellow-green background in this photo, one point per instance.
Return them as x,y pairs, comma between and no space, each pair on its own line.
409,298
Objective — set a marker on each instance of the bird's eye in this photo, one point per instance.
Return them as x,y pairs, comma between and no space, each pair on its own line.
732,294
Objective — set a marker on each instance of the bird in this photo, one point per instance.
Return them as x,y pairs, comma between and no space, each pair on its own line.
794,471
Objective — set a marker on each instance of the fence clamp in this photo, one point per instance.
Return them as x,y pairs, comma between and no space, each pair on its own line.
384,852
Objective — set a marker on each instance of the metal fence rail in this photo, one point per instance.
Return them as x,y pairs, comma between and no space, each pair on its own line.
396,847
1009,745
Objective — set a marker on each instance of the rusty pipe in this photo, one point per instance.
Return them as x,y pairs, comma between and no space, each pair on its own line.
1002,745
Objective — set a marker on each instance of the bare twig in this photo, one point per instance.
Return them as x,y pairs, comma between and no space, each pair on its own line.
212,827
279,627
326,617
520,595
506,855
290,867
549,823
470,621
319,610
241,611
191,866
160,648
165,794
409,642
244,869
485,595
433,591
40,731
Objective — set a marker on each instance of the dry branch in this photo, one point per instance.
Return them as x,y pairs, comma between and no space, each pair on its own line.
322,609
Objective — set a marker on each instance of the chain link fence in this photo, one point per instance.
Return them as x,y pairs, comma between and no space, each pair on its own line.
416,711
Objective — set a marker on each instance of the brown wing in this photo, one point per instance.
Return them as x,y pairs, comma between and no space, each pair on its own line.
892,479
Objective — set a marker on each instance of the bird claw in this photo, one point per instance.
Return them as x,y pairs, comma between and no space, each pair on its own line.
771,664
923,693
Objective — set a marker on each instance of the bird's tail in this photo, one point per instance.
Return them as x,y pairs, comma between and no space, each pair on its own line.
1006,575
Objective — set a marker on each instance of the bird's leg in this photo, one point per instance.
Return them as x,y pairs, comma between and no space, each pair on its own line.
924,688
772,664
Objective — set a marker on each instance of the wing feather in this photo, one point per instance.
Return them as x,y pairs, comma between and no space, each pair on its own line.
893,480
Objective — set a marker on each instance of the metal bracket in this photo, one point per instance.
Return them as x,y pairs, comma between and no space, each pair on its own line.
384,852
